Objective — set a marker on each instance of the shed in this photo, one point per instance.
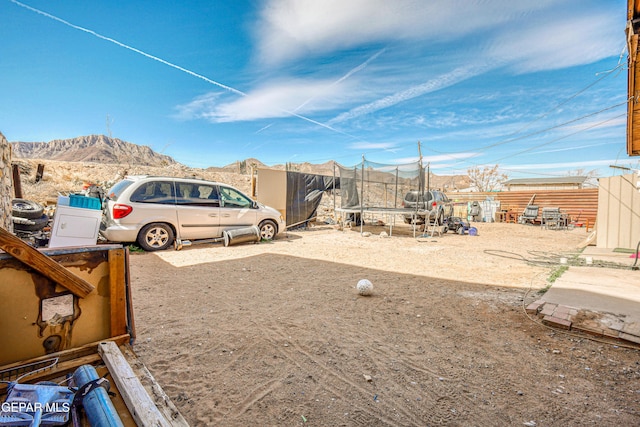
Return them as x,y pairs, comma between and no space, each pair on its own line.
619,212
558,183
296,195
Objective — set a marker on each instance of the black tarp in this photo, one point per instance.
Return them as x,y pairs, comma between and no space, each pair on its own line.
304,193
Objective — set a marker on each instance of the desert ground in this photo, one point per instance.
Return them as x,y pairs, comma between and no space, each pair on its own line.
276,334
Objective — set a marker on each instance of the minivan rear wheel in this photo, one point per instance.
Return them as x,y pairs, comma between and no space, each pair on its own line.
268,229
156,236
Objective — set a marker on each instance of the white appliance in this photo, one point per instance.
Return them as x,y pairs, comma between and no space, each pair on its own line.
74,226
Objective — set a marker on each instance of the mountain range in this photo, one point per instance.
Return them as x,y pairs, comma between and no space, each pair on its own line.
107,150
91,148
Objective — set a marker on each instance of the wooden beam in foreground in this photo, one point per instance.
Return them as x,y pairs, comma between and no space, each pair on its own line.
135,396
117,292
43,264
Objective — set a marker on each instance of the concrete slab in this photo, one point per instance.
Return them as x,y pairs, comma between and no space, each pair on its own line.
598,289
594,288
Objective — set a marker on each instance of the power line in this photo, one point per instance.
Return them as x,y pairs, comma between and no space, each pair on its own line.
505,141
562,137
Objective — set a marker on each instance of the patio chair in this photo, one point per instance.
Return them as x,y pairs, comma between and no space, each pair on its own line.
529,215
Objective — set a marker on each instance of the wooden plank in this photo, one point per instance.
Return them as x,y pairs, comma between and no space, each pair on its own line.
138,401
44,265
17,183
117,293
130,316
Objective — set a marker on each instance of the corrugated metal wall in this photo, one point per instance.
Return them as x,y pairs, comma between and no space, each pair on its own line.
579,204
619,212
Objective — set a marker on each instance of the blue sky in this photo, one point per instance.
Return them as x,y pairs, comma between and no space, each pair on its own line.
536,87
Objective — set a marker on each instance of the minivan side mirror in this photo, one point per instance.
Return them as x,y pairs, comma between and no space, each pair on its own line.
254,204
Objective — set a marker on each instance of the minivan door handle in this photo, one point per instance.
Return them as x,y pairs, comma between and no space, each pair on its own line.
213,214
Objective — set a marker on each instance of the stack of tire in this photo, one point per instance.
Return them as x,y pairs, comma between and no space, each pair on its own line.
28,216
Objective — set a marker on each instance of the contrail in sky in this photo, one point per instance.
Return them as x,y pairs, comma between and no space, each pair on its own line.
155,58
341,79
440,82
346,76
177,67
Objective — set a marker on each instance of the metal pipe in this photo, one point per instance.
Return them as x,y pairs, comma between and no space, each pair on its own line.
362,195
334,188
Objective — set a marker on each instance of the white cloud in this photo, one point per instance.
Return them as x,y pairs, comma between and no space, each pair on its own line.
432,85
198,108
449,157
526,35
559,41
372,145
290,29
602,123
278,99
273,100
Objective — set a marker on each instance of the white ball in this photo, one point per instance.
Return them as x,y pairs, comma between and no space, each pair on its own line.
364,287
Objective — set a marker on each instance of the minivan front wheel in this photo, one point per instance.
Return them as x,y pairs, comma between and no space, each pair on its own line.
268,229
156,236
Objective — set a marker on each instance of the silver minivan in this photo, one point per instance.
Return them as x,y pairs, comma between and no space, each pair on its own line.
156,211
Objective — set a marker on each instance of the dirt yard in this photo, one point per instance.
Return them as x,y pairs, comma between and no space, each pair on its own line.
275,334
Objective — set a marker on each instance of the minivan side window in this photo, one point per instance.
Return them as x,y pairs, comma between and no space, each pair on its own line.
160,192
232,198
191,194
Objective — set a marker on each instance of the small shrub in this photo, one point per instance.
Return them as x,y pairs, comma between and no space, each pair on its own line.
557,273
135,248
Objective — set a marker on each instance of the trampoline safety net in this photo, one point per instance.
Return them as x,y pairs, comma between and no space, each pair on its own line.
377,186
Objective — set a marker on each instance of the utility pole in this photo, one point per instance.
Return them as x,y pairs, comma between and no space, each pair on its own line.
109,121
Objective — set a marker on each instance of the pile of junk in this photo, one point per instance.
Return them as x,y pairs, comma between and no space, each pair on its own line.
67,335
32,221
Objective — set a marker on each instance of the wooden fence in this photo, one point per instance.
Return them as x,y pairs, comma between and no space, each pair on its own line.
580,205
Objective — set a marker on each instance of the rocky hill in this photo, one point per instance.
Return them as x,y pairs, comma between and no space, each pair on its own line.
70,164
91,148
